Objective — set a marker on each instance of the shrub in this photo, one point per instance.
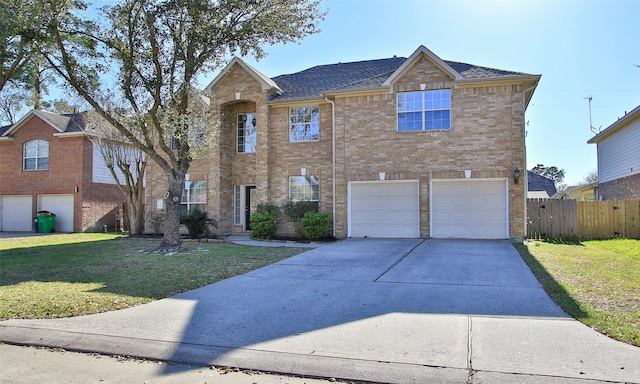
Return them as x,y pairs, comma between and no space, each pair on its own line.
295,210
266,208
263,225
197,223
314,225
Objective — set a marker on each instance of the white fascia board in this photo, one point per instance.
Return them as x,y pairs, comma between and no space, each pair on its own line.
422,50
266,82
615,126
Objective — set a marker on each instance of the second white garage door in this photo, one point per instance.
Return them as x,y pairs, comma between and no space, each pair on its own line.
469,209
384,209
62,207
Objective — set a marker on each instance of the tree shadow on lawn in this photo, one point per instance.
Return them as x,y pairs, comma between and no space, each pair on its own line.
554,289
129,266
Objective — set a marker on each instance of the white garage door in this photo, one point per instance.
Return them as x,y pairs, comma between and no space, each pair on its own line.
16,213
62,207
384,209
469,209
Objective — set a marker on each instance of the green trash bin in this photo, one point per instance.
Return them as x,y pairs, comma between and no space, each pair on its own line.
46,222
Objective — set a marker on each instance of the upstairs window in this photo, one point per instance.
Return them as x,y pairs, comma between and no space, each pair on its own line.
194,195
303,188
247,134
36,155
304,124
424,111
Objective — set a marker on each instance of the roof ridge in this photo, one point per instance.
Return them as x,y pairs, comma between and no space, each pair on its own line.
340,63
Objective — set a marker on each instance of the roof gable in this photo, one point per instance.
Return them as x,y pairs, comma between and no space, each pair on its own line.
422,51
266,82
63,124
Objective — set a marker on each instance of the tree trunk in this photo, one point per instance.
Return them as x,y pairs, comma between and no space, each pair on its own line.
136,214
135,196
171,241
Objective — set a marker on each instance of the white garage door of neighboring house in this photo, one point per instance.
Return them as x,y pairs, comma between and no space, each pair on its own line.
384,209
469,209
16,213
62,207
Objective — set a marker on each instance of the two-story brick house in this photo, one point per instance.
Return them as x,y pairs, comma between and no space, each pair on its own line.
398,147
48,163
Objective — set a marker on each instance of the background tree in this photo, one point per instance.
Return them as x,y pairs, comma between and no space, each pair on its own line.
22,26
156,50
552,173
12,102
591,177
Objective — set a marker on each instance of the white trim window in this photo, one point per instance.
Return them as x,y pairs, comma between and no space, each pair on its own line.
304,124
237,205
424,110
304,188
247,133
36,155
194,195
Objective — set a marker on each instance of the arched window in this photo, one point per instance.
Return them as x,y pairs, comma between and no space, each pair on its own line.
36,155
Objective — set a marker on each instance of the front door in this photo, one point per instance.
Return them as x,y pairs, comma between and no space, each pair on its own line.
249,205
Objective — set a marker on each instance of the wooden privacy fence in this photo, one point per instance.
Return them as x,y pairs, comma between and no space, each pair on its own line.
571,219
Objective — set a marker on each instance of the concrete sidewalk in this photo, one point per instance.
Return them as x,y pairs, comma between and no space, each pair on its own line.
397,311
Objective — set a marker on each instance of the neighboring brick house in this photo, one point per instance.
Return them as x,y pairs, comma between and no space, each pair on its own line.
619,159
49,164
539,186
398,147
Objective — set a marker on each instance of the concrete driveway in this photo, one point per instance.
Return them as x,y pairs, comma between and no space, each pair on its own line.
382,310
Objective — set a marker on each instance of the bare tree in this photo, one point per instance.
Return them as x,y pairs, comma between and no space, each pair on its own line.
127,165
591,177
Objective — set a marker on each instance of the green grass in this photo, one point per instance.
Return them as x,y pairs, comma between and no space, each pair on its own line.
597,282
65,275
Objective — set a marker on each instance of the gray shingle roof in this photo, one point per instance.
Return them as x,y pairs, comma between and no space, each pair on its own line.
68,123
313,82
537,182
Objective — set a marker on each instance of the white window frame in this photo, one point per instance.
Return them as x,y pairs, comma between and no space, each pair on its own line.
301,121
241,133
40,154
304,191
237,205
190,193
431,102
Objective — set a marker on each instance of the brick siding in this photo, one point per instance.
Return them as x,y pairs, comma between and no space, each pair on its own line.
625,188
70,165
487,136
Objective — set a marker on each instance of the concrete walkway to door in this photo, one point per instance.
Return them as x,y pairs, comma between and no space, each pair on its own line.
398,311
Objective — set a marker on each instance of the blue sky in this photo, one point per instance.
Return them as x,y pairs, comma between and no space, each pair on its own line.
581,48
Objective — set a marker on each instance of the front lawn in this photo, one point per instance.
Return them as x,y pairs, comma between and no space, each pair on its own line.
65,275
596,282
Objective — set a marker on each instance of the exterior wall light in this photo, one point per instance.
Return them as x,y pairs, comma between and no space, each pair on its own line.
516,175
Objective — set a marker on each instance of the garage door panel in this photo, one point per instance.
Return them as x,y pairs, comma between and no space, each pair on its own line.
62,207
384,209
475,209
16,213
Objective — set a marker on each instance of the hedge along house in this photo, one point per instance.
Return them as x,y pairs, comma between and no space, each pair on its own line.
397,147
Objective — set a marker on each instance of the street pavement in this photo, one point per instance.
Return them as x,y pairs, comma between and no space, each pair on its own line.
378,310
